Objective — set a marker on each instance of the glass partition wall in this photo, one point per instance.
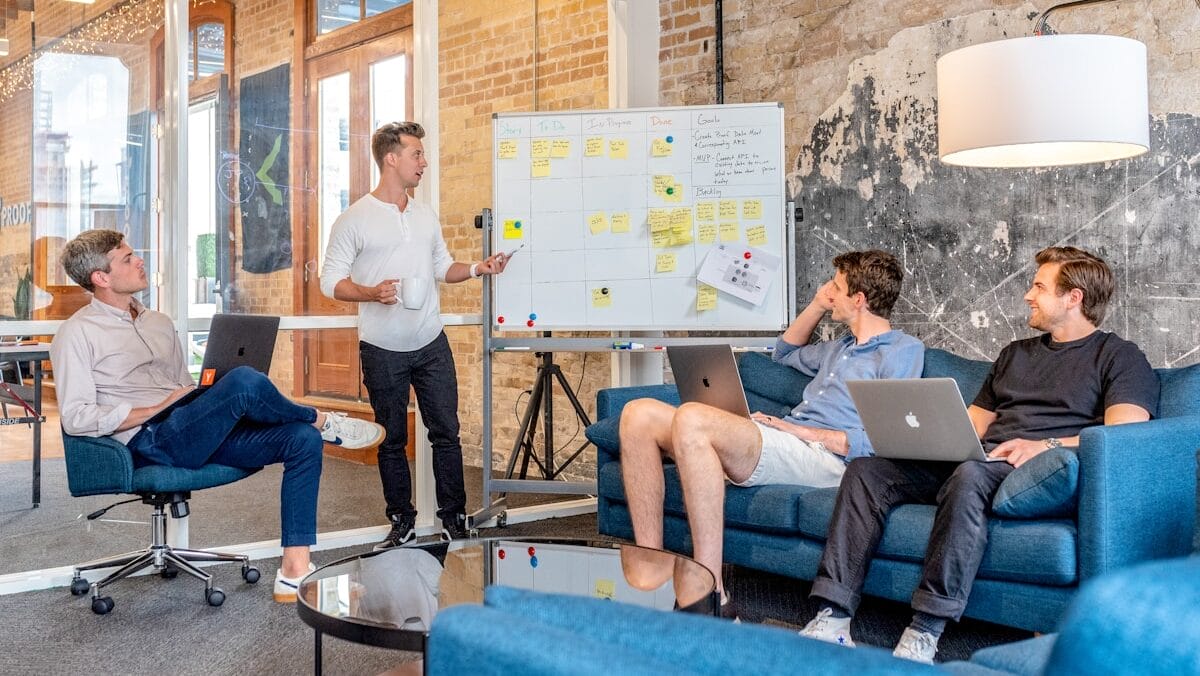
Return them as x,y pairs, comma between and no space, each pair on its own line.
272,137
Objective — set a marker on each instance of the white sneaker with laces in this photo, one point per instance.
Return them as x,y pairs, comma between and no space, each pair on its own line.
286,587
350,432
918,646
826,627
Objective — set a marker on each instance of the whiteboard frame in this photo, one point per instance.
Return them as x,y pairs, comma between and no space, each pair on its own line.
784,285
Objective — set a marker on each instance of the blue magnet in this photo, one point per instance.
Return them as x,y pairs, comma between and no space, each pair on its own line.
670,139
533,561
517,224
533,316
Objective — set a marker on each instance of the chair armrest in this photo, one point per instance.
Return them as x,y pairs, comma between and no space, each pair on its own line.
1137,496
611,400
97,466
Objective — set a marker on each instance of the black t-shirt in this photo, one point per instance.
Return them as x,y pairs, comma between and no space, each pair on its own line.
1040,389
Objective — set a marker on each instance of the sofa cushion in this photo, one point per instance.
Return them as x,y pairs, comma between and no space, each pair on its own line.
1023,658
771,509
1040,552
1045,486
1179,392
969,374
605,433
767,381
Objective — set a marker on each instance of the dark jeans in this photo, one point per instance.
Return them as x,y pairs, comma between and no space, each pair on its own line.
243,421
430,372
870,489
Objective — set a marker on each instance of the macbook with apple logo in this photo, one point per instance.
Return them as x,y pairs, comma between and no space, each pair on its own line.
917,419
708,374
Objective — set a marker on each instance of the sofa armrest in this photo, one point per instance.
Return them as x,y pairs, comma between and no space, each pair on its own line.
611,400
1137,497
97,466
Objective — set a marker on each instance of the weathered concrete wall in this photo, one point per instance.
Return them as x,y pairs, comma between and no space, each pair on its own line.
859,86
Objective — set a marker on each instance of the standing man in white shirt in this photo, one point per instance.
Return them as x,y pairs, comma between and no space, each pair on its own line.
384,242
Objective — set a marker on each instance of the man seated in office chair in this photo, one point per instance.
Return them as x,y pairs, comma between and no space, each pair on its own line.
118,363
810,447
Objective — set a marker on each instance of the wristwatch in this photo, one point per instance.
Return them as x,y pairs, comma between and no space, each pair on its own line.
1053,442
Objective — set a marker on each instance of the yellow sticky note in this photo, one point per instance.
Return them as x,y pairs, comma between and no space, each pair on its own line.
540,167
660,183
560,148
598,223
706,297
513,230
757,236
708,233
661,238
618,149
752,209
660,148
539,148
675,193
601,297
729,232
728,209
507,150
620,222
659,219
605,589
706,211
681,237
681,217
664,262
593,146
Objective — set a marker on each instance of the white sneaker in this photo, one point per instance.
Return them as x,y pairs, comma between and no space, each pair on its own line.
350,432
826,627
918,646
286,587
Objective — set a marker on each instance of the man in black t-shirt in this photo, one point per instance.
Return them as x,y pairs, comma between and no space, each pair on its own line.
1039,394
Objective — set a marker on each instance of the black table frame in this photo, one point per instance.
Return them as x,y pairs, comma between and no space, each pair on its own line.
35,353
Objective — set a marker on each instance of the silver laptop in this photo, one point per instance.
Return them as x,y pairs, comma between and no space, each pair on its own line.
708,374
917,419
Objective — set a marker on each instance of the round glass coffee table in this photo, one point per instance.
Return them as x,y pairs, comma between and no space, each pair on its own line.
389,598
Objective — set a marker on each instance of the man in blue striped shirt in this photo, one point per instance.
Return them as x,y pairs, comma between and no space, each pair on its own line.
810,446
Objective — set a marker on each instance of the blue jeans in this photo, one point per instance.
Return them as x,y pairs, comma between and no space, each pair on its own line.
430,372
243,421
870,488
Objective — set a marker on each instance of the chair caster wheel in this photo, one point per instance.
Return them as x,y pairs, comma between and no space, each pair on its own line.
102,605
214,596
169,572
250,574
79,586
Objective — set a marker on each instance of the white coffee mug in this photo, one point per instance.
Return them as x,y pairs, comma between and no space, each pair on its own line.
413,291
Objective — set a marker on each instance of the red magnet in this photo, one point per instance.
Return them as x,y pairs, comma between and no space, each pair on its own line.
500,319
532,551
746,255
529,323
500,554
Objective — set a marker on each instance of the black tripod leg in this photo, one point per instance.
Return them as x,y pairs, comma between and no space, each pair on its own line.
579,412
528,427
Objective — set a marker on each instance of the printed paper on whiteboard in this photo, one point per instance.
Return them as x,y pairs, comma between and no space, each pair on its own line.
741,271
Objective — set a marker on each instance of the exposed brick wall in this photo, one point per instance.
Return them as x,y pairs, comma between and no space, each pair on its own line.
487,65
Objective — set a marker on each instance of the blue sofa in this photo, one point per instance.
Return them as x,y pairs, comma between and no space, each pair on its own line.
1135,502
1142,620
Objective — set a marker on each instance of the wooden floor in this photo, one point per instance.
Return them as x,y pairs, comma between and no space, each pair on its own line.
16,441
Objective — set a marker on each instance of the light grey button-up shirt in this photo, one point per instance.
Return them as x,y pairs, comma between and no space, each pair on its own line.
106,363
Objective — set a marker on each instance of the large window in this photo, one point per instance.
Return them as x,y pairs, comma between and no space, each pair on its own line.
334,14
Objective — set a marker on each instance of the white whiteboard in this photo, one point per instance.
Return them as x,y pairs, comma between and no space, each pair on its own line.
587,194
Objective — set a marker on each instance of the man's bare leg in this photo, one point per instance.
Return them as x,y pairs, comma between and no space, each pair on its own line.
709,445
645,440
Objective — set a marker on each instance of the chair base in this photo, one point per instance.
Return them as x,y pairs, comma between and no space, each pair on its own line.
162,557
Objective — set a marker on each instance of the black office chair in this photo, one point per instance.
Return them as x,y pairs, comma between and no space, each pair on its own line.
104,466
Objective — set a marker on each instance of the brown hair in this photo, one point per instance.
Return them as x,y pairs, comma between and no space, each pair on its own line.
88,253
1084,271
877,274
386,138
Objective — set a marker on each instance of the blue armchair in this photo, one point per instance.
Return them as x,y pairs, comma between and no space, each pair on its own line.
104,466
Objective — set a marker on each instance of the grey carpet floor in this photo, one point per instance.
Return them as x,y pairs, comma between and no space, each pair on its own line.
56,534
161,626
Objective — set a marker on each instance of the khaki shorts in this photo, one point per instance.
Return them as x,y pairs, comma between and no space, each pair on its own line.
787,459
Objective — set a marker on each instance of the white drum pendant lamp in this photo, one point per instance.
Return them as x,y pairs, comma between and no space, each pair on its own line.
1043,101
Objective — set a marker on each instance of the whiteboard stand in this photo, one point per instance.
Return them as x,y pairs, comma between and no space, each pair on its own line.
541,402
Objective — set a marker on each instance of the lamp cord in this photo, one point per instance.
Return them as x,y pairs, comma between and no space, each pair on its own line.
1043,28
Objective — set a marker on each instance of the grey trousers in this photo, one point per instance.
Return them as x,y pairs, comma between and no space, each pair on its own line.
870,489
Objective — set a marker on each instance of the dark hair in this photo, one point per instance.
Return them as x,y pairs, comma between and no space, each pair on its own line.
88,253
877,274
1084,271
386,138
